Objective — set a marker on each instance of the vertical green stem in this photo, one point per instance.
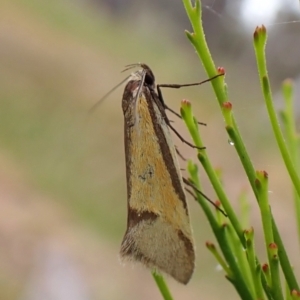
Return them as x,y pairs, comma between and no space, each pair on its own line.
262,189
260,37
284,261
187,115
254,267
292,138
164,290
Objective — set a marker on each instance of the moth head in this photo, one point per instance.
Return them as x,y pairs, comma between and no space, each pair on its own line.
145,75
149,76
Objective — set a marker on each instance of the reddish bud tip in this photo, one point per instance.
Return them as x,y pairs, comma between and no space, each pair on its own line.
273,250
263,173
221,70
185,102
218,203
260,33
210,245
295,293
250,230
273,246
260,29
265,268
227,105
255,34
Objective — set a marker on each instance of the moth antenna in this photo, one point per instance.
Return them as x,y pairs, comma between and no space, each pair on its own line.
131,66
187,182
92,109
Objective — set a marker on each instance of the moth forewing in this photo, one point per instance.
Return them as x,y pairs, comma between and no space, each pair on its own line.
158,231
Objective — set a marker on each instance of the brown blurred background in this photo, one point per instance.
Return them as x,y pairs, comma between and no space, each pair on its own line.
62,175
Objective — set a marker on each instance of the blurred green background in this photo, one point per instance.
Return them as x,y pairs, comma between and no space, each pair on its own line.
62,175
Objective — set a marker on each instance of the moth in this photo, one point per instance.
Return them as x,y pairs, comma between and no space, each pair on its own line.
158,233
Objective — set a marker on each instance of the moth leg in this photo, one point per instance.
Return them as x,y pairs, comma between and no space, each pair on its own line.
191,193
178,86
170,109
179,154
187,182
181,138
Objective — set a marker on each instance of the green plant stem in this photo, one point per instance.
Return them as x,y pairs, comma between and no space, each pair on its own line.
164,290
203,158
239,145
241,258
284,261
245,209
198,40
266,285
238,280
292,138
289,119
276,283
191,124
254,267
260,38
193,171
233,273
287,293
219,258
262,189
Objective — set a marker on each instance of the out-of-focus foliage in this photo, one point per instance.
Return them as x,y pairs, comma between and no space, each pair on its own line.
224,27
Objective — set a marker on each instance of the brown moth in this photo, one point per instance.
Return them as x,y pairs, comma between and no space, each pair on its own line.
158,231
